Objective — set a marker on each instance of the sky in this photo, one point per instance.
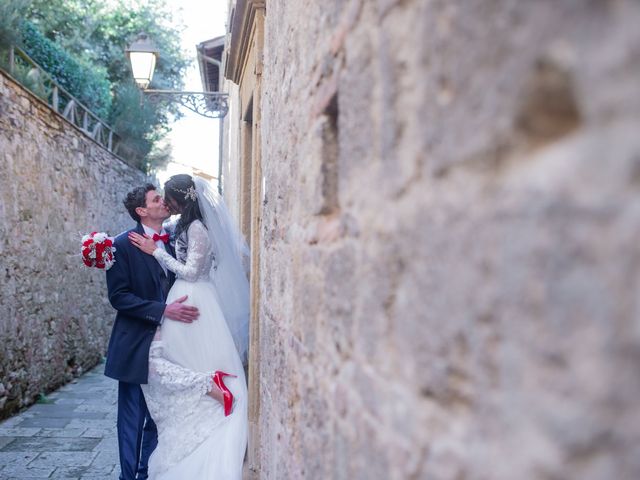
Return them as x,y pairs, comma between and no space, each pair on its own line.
194,139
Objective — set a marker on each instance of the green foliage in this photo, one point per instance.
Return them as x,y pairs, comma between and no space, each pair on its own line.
134,120
12,13
159,156
81,43
99,32
87,83
31,78
43,399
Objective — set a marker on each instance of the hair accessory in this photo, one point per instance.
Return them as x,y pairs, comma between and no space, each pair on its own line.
189,193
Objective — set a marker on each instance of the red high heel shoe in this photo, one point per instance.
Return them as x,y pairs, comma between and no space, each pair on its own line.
226,394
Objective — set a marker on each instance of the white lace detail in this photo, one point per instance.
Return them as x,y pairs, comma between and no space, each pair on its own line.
176,398
174,377
194,264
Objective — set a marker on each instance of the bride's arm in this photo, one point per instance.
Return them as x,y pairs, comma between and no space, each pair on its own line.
197,250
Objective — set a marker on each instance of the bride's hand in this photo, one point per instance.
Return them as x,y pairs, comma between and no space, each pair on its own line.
144,243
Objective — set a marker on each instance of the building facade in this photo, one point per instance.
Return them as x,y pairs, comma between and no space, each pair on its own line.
443,209
242,179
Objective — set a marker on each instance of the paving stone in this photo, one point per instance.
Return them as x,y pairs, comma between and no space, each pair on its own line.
72,396
17,458
69,401
63,411
2,477
13,421
69,472
63,459
114,476
61,432
91,423
45,422
109,444
5,441
101,401
100,432
51,444
103,459
18,432
25,472
100,408
99,471
64,474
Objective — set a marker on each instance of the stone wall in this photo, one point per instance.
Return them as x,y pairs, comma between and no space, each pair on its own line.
56,184
450,269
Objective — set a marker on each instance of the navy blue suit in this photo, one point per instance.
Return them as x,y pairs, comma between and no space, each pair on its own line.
136,291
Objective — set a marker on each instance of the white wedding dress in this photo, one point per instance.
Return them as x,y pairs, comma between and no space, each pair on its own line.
195,440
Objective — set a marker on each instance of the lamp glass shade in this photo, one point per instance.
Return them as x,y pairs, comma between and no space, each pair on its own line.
142,65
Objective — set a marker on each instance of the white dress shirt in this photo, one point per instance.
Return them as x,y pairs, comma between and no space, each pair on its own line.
159,243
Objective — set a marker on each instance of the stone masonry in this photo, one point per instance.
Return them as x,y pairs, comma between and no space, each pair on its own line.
56,184
449,256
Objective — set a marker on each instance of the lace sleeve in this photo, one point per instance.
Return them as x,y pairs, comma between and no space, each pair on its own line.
196,265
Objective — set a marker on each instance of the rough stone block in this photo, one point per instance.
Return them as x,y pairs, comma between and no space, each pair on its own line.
449,290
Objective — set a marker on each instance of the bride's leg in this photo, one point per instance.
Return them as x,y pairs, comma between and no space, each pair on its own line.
216,394
177,378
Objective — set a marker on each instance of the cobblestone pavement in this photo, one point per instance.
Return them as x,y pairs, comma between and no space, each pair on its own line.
73,437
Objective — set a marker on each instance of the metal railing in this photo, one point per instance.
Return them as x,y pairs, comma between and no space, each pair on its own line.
33,77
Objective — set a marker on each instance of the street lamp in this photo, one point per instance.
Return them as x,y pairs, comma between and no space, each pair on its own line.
143,54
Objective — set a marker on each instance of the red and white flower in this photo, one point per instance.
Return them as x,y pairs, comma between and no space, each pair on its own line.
98,250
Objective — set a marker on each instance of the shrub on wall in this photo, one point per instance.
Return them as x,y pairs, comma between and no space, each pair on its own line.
68,38
11,14
89,84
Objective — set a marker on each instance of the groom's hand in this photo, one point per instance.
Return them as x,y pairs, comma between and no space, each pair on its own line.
180,312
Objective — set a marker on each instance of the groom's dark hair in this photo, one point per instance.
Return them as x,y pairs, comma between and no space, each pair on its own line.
137,198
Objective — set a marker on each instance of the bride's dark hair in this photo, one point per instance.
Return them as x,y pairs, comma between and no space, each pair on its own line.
181,189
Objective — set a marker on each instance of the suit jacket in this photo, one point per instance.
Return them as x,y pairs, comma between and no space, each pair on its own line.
135,291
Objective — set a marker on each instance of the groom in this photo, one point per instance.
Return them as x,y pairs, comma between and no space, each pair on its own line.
138,286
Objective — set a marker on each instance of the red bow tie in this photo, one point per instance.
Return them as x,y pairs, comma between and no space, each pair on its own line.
164,238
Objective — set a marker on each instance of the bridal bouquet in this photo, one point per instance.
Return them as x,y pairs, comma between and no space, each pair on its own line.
97,250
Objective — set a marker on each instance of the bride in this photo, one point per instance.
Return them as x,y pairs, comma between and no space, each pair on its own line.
202,426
